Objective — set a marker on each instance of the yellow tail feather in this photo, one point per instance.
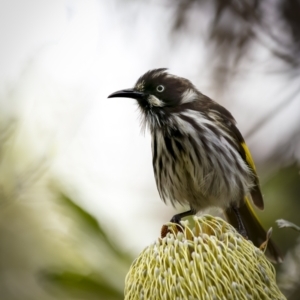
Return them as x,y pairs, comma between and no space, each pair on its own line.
255,231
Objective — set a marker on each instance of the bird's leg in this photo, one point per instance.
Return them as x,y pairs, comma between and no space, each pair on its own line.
176,218
241,228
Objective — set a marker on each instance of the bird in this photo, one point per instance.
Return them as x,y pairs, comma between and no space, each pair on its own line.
199,156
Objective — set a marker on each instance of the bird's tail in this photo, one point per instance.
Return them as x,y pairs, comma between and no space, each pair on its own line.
255,231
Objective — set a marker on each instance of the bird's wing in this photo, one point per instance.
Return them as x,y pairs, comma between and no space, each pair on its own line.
229,122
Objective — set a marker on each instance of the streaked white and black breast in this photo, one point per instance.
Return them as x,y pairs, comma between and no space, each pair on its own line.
196,163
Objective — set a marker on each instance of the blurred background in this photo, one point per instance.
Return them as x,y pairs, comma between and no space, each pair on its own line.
78,196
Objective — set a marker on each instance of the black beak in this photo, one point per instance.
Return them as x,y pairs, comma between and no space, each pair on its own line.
130,93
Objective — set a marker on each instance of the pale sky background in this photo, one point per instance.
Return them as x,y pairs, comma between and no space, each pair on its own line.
63,58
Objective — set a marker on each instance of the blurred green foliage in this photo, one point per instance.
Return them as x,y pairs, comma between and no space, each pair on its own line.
282,195
80,286
96,284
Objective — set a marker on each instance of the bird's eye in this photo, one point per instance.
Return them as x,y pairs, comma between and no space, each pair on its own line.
160,88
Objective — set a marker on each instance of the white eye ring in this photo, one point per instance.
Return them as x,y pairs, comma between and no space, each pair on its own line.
160,88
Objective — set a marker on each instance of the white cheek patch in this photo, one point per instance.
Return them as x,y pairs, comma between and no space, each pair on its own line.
154,101
188,96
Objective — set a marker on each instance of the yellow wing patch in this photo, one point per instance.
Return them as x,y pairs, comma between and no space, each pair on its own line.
249,158
255,191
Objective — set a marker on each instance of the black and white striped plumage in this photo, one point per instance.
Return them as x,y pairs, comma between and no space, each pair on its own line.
199,155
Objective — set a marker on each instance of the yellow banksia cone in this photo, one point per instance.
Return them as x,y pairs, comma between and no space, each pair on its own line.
210,261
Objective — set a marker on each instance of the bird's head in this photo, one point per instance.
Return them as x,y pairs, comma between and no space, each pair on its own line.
159,93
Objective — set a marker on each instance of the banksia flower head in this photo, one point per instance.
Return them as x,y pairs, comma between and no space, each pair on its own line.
210,261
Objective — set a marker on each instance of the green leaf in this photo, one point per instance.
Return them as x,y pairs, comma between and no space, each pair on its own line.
79,285
93,226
